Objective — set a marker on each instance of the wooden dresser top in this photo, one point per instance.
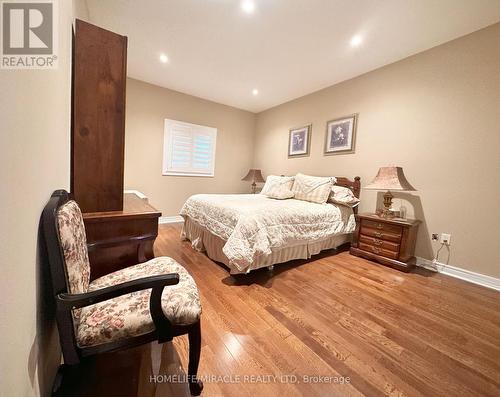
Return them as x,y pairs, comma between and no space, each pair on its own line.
133,207
393,221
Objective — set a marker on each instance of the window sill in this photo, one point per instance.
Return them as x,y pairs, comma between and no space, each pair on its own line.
187,174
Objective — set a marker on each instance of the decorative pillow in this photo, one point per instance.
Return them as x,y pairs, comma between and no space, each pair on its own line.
343,195
312,188
280,181
280,192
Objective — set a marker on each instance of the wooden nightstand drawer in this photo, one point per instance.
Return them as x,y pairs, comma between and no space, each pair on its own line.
382,235
382,226
377,250
379,243
390,241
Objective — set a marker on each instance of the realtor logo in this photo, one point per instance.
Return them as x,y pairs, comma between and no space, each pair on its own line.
29,34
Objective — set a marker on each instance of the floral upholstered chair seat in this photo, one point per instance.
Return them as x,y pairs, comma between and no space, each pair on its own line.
126,315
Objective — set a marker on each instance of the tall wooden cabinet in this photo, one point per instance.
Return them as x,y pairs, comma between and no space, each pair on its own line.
98,133
120,231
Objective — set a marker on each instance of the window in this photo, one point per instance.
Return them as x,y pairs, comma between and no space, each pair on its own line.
188,149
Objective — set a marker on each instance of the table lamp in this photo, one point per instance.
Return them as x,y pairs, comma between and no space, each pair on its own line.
390,178
254,176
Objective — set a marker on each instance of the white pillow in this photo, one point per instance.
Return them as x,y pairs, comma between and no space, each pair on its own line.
274,180
280,192
312,188
343,195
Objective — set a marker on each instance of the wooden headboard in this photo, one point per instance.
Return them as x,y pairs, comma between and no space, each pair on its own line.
354,185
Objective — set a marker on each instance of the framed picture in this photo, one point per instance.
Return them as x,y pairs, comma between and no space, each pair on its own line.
341,135
298,141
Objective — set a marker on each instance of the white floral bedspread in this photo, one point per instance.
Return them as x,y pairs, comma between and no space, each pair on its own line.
253,224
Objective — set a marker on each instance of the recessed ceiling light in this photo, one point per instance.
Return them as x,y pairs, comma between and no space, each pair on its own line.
356,40
163,58
255,91
248,6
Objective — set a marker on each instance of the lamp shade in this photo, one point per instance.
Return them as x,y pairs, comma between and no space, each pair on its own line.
253,176
390,178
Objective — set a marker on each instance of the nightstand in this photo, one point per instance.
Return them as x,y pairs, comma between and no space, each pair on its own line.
390,242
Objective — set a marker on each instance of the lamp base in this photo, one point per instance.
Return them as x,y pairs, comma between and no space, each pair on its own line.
386,214
254,188
386,211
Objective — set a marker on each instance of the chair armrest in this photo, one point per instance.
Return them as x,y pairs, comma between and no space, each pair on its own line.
67,301
115,242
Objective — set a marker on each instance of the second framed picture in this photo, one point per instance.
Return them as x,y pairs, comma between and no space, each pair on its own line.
299,141
341,135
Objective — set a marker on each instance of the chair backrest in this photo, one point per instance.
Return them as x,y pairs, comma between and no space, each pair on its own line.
66,241
64,235
73,241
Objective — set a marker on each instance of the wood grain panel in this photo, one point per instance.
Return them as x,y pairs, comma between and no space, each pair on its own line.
389,236
378,250
137,219
98,135
395,229
379,243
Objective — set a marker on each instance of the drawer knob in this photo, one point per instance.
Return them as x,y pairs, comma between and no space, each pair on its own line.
378,234
380,226
376,250
378,242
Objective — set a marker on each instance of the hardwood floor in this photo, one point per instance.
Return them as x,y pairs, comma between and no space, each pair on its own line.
389,333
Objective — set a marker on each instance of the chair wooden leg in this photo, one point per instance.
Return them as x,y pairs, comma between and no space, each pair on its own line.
195,385
64,379
58,380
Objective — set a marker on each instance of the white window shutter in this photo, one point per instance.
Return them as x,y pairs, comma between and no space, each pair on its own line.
189,149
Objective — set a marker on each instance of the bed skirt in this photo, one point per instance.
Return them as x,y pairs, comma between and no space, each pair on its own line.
204,241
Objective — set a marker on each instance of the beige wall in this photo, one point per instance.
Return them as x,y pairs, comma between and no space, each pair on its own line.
437,114
34,157
81,9
147,108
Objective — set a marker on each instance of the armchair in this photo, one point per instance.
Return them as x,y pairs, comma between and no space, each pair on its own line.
153,300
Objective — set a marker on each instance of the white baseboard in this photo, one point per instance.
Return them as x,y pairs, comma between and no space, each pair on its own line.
457,272
170,219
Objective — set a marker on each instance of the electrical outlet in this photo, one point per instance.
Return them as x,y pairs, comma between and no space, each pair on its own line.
435,237
445,238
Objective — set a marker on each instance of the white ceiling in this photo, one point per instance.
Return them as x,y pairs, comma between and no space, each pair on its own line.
285,49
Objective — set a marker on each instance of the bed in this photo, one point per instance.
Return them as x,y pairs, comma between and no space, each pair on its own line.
250,231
